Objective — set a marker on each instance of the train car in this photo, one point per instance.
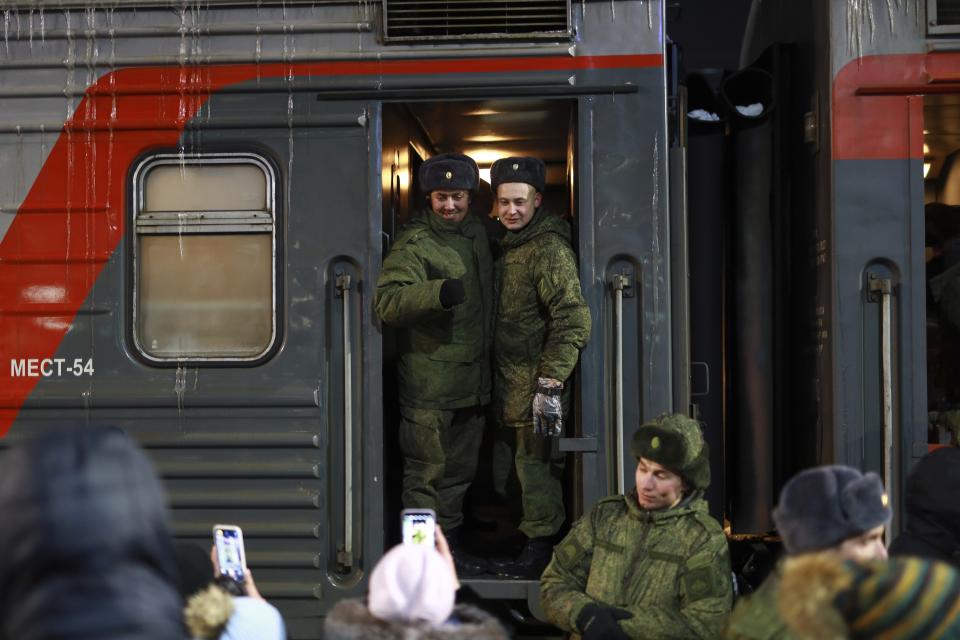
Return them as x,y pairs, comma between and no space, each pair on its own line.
195,201
860,188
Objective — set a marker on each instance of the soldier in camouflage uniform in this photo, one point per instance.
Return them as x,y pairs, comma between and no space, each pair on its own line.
825,508
436,288
542,323
651,563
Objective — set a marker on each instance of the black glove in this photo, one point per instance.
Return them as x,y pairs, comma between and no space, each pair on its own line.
597,622
547,409
452,293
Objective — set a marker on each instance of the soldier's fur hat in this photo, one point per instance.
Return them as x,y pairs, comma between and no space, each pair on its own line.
676,442
519,169
823,506
449,171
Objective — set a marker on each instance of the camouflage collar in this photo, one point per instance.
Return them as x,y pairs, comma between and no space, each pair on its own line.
438,224
690,504
543,221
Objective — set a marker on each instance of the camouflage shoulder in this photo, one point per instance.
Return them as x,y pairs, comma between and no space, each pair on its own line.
609,506
410,233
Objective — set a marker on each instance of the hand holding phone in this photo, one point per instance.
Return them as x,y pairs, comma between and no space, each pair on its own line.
418,526
231,558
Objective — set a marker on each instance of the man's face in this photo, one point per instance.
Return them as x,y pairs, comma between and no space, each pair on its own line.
657,486
450,205
867,546
516,204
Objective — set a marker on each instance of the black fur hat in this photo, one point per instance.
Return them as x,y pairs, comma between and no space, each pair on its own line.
821,507
519,169
449,171
676,442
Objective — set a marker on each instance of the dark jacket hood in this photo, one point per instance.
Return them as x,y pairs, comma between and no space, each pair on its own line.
87,550
352,620
933,510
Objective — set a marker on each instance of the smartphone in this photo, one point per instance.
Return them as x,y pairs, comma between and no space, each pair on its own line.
418,526
228,539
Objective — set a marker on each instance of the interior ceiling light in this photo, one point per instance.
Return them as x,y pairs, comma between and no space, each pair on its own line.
486,157
482,112
926,148
490,138
926,168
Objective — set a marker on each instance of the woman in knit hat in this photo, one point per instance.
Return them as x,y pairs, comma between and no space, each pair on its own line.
412,597
823,596
651,563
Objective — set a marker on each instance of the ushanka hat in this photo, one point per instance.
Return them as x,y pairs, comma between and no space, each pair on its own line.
526,169
823,506
449,171
822,596
676,442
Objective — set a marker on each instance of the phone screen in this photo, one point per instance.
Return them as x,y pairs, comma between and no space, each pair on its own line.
229,543
418,528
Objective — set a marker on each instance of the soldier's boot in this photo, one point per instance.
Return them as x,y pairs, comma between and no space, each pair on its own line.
529,564
467,564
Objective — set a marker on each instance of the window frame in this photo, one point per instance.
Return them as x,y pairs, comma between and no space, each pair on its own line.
220,222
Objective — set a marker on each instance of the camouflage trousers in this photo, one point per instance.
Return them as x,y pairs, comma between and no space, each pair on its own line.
539,467
440,450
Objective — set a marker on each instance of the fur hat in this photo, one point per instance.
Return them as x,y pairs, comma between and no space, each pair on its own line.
519,169
411,583
822,596
823,506
449,171
676,442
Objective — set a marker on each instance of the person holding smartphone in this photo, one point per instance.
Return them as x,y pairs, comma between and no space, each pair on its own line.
412,595
231,608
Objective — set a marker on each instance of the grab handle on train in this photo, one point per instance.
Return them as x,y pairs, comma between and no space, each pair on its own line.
621,285
345,553
880,291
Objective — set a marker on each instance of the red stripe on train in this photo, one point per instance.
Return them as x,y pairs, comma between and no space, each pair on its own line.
72,219
877,109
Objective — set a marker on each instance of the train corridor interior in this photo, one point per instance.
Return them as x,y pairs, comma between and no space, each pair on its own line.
485,130
941,181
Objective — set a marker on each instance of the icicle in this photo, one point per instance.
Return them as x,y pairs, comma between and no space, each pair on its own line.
613,9
181,221
180,386
43,28
650,14
6,31
30,29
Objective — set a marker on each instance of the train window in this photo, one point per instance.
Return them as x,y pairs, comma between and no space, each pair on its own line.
204,267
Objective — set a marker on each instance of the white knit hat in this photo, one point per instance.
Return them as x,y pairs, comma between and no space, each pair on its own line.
412,583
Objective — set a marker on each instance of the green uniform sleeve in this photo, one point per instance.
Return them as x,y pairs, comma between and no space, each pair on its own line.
568,327
404,294
564,582
705,595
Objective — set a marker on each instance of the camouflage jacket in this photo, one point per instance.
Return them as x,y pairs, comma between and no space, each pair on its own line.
670,568
444,353
756,616
542,321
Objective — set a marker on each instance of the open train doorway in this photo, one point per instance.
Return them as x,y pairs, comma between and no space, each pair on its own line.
486,130
941,174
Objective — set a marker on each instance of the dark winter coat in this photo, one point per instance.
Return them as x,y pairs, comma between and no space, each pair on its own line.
444,353
933,509
86,545
352,620
542,321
